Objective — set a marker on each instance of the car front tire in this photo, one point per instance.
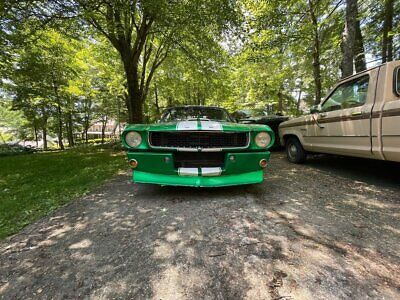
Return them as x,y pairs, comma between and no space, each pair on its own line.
294,151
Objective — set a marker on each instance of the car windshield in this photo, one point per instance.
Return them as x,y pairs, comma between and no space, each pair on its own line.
189,113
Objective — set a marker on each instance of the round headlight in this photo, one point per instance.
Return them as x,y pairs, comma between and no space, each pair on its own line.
263,139
133,139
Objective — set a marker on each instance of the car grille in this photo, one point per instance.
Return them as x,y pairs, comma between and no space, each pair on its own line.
199,139
199,159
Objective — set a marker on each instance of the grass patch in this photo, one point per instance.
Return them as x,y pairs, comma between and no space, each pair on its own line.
33,185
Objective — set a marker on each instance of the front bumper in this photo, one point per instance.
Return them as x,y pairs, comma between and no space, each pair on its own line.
158,168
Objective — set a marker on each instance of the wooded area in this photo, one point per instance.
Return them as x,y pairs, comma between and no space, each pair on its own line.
68,63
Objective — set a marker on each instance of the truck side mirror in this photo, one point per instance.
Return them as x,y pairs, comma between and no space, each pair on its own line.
315,109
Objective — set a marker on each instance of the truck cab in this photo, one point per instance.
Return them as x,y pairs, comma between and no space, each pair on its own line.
360,117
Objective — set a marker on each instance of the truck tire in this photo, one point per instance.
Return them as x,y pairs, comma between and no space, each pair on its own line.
294,151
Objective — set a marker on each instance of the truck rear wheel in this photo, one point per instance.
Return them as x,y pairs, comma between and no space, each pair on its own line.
294,151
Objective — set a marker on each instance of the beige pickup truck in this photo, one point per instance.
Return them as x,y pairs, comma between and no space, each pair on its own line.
359,117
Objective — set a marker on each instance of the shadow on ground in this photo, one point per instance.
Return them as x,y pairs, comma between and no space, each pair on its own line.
382,173
314,231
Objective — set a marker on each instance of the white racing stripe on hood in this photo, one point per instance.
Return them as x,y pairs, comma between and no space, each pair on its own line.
211,125
186,125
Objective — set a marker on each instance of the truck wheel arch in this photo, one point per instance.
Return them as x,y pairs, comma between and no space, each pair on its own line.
290,135
294,149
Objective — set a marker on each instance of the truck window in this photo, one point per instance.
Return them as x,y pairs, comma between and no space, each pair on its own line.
397,81
349,94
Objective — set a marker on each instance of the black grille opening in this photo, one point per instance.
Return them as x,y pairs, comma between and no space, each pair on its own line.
199,159
199,139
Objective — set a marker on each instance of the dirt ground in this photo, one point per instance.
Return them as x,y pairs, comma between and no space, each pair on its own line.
329,229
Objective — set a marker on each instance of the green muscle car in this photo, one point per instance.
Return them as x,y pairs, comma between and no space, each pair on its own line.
197,146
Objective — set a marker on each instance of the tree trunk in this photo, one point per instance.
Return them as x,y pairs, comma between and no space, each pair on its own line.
198,98
156,98
119,117
85,134
44,127
170,101
348,38
59,114
299,98
44,130
134,101
103,128
387,39
35,129
189,99
87,118
317,72
86,125
280,100
316,53
70,134
359,51
60,127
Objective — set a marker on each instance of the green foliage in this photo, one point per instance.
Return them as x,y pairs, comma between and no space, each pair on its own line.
12,123
96,61
58,78
182,81
30,185
373,14
275,62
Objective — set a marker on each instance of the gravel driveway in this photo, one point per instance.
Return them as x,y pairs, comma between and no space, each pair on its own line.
329,229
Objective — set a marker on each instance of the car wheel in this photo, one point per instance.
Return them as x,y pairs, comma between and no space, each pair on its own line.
295,151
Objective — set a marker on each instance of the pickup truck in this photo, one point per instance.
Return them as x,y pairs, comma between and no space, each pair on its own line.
359,117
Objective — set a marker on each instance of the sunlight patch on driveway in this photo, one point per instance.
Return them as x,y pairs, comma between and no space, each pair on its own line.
81,245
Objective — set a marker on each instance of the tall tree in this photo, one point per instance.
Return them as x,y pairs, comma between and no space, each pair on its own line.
349,37
41,71
387,34
143,32
353,53
312,8
359,51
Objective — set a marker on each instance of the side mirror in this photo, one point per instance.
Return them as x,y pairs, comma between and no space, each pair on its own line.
315,109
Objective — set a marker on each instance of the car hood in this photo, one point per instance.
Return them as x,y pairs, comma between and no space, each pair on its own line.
198,125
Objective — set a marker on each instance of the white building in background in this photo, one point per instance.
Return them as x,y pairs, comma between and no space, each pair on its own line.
112,130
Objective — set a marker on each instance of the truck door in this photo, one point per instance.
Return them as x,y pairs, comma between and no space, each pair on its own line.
390,114
343,124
